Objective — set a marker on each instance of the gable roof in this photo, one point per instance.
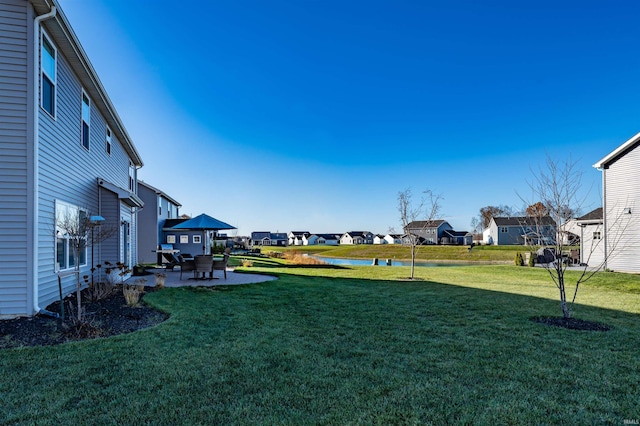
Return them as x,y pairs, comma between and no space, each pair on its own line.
159,192
260,235
523,220
329,236
357,233
595,214
452,233
422,224
618,152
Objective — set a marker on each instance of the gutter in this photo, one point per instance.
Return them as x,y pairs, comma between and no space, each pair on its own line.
36,109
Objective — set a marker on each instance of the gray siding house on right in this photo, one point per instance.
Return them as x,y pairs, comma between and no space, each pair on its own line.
521,231
621,201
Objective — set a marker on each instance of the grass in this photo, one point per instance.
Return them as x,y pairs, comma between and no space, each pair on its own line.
488,254
347,345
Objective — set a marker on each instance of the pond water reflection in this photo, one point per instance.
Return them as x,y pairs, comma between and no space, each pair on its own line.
381,262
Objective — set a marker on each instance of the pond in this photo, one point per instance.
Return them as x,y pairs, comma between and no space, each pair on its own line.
381,262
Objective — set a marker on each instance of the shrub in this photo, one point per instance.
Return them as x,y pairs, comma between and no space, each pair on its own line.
133,292
532,260
519,261
247,263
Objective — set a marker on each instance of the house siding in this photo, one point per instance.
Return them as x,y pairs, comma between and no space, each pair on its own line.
15,170
149,224
68,172
623,230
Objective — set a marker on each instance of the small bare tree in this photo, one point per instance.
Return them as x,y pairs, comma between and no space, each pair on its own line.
424,212
558,190
76,226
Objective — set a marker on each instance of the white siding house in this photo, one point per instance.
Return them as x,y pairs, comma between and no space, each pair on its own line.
621,200
63,152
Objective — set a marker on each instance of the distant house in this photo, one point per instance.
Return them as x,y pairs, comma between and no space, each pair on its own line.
266,238
393,238
65,155
621,206
450,237
158,207
186,241
591,230
261,238
296,238
322,239
431,230
379,239
521,231
357,237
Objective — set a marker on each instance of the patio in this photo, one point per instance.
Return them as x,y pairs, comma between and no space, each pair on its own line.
173,278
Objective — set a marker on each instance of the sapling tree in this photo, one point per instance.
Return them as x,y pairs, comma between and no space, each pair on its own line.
423,212
558,189
76,226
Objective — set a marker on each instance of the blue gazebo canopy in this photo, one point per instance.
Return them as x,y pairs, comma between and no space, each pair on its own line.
204,222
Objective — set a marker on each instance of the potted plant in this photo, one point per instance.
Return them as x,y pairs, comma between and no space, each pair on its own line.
160,279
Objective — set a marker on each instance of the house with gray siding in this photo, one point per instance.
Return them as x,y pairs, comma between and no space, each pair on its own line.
521,231
620,203
158,207
64,153
432,231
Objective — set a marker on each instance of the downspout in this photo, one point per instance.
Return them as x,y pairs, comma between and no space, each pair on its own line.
36,125
604,217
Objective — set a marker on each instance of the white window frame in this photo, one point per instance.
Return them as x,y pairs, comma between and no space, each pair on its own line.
60,237
597,235
44,74
108,138
184,239
85,118
132,177
197,239
171,239
504,229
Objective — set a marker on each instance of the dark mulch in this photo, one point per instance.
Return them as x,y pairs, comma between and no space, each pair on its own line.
107,317
571,323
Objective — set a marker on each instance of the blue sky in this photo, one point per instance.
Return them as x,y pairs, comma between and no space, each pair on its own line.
313,115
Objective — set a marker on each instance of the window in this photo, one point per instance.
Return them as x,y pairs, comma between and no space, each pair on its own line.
48,72
504,229
184,239
596,235
70,236
171,239
108,141
132,177
197,239
86,119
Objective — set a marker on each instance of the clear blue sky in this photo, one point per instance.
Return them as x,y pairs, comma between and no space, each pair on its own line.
312,115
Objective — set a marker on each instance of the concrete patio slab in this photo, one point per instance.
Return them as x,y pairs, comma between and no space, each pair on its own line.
233,278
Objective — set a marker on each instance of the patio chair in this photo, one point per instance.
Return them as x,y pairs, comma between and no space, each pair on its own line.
186,265
574,255
221,265
204,264
172,261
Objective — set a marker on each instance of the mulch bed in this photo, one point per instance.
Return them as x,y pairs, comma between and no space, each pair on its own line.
107,317
571,323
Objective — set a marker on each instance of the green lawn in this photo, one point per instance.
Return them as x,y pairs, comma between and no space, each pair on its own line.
344,346
489,254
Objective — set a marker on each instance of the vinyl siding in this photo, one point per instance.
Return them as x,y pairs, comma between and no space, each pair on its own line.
149,225
68,172
15,105
623,230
